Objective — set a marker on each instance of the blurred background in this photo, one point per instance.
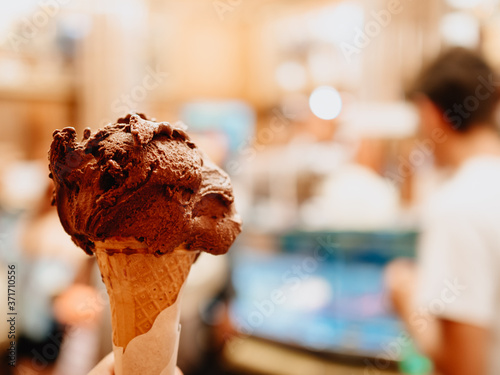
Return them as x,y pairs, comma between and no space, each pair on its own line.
302,102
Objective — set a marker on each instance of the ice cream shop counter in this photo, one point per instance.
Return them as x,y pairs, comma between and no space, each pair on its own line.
318,299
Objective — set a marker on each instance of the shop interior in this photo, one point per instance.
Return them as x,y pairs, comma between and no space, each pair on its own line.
303,103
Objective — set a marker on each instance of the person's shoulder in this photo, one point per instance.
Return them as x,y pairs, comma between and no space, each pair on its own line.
475,188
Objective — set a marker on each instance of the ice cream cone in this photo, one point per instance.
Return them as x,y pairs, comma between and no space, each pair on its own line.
140,284
128,191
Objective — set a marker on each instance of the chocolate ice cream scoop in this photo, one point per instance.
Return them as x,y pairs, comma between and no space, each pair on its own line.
144,180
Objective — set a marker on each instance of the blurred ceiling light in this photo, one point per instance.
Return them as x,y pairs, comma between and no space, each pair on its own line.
325,102
464,4
291,76
460,29
337,23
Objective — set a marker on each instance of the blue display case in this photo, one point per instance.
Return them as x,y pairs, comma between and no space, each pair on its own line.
321,291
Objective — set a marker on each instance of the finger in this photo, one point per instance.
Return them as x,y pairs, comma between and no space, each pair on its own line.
178,371
105,367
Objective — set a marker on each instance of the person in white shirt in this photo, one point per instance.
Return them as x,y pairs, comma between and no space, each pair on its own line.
450,300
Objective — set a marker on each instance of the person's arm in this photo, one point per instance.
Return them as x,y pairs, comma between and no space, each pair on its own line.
401,282
455,348
464,351
105,367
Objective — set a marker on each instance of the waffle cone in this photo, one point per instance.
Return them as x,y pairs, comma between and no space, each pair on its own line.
140,285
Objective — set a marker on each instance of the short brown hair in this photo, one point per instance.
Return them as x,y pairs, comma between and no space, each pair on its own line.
463,86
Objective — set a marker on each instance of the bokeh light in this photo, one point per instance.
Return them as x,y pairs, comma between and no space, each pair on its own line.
325,102
460,29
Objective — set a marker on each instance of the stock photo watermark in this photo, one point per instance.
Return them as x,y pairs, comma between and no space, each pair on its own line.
419,319
378,21
89,311
32,25
11,314
462,111
422,150
222,7
456,115
130,101
248,150
292,281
